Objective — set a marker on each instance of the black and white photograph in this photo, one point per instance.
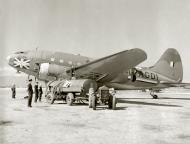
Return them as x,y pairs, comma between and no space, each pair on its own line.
94,71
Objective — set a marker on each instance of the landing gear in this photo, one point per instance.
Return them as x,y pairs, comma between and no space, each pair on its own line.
154,96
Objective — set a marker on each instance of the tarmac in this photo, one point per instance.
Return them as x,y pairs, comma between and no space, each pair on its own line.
138,119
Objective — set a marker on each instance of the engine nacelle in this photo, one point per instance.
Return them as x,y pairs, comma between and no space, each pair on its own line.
50,72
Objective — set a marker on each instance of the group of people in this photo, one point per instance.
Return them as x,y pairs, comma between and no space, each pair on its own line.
37,90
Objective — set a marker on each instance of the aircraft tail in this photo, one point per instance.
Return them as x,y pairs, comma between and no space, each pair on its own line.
170,65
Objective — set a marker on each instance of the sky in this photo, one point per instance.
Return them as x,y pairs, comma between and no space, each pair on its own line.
96,28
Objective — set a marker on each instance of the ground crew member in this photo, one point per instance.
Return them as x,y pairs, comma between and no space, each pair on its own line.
13,88
112,98
30,93
112,91
36,92
40,92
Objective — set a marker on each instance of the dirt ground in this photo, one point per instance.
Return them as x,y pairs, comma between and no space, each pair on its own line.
138,119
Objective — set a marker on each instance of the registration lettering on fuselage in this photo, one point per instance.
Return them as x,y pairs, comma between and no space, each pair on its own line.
147,75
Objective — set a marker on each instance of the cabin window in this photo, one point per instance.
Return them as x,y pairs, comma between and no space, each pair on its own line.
171,64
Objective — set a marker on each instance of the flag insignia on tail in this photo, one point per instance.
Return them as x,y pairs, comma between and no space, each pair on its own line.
22,63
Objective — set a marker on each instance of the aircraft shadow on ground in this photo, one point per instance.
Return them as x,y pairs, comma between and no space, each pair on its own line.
106,107
99,107
175,98
123,100
159,98
74,104
5,123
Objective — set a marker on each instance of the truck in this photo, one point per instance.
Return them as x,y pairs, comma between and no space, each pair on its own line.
69,90
79,90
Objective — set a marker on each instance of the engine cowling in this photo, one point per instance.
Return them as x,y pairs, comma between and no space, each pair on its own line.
50,72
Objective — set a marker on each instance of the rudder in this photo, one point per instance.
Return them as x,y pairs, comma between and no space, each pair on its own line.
170,65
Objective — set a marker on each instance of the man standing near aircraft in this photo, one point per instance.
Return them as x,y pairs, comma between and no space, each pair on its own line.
13,89
36,92
30,93
40,92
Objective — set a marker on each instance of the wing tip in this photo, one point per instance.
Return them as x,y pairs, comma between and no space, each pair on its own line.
140,51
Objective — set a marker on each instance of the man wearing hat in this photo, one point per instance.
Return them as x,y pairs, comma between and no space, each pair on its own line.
40,91
36,92
13,88
30,93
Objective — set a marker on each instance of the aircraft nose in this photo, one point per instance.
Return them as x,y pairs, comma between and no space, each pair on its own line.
8,58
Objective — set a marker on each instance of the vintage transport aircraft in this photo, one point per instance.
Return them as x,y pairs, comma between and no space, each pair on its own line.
117,71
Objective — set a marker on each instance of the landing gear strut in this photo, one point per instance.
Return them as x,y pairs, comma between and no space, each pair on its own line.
154,96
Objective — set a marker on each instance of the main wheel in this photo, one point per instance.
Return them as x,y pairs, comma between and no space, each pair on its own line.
70,99
114,101
94,102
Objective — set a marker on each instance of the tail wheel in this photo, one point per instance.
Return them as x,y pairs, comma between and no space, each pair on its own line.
70,99
155,97
114,101
94,102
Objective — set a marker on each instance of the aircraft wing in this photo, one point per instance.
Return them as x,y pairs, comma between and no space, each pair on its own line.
107,68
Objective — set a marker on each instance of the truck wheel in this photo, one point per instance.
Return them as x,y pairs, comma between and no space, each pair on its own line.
94,102
114,100
49,99
110,102
70,99
90,101
52,101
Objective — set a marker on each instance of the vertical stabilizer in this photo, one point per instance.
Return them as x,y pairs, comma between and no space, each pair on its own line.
170,65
